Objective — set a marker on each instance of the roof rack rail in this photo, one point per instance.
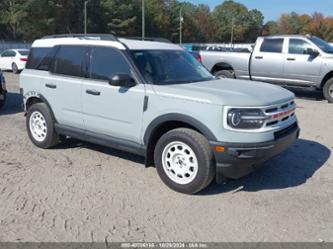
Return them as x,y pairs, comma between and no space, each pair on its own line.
156,39
106,37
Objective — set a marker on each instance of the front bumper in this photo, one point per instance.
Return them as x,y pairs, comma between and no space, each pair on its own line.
238,160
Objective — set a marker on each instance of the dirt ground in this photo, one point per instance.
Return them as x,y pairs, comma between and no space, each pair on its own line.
82,192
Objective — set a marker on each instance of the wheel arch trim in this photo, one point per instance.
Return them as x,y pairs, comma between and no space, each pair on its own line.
43,100
176,117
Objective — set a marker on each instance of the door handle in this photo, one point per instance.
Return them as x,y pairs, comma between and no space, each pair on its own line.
259,57
52,86
93,92
291,59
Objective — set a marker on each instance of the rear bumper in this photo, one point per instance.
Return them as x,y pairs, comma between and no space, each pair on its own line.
238,160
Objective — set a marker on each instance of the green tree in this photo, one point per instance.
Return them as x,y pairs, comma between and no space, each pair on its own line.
271,28
120,17
235,16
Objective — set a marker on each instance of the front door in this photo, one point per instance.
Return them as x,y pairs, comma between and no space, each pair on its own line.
113,111
301,68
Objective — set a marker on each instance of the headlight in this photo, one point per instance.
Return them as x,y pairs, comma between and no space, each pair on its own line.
245,118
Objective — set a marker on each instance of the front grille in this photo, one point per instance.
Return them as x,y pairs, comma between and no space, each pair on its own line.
285,131
279,114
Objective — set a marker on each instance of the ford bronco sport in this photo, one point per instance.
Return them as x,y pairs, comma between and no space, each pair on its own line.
156,100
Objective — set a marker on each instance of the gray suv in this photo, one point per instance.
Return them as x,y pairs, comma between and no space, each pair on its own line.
156,100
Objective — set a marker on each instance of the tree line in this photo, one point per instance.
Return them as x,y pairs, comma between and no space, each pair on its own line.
31,19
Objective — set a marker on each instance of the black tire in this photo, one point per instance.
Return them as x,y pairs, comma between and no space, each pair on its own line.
52,138
15,68
2,102
328,90
204,155
225,74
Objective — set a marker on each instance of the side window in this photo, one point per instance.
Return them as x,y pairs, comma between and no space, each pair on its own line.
36,56
5,54
12,54
298,46
105,62
271,45
69,60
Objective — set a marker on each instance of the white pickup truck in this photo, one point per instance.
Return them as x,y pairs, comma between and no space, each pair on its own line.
294,60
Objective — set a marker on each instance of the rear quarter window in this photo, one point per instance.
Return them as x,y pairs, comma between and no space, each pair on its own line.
40,58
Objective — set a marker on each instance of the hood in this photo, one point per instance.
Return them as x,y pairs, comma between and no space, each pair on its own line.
227,92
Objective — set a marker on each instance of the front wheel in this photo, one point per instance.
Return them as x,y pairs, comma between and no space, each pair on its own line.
184,160
40,126
328,90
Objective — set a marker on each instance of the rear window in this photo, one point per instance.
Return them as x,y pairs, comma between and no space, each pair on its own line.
272,45
24,52
36,56
69,60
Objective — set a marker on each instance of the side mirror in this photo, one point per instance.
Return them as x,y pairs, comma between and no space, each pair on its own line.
122,80
312,52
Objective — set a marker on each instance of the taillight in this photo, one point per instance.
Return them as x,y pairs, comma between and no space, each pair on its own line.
199,58
24,59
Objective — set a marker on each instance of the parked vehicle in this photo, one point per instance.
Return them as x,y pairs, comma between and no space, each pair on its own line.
196,55
298,61
3,90
14,59
156,100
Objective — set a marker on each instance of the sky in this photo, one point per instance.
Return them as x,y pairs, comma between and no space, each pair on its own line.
272,9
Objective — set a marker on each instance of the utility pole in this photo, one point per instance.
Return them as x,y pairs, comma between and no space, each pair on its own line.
85,17
143,19
232,32
180,25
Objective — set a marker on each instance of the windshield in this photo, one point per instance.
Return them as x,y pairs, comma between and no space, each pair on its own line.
163,67
327,48
24,52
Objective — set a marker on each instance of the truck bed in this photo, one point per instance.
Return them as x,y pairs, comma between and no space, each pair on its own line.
240,61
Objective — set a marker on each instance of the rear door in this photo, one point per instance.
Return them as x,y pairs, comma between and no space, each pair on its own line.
112,111
300,67
64,85
267,60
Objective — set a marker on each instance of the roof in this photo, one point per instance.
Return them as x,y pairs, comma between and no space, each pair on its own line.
104,40
134,44
287,36
51,42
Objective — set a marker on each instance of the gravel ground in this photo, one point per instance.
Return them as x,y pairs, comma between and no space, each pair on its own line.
82,192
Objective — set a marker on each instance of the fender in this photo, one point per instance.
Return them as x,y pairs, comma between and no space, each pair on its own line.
33,94
177,118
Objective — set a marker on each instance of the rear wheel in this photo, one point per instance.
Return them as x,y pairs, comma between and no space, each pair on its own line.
328,90
40,126
184,160
15,68
225,74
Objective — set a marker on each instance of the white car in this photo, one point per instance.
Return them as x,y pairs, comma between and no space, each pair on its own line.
14,59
